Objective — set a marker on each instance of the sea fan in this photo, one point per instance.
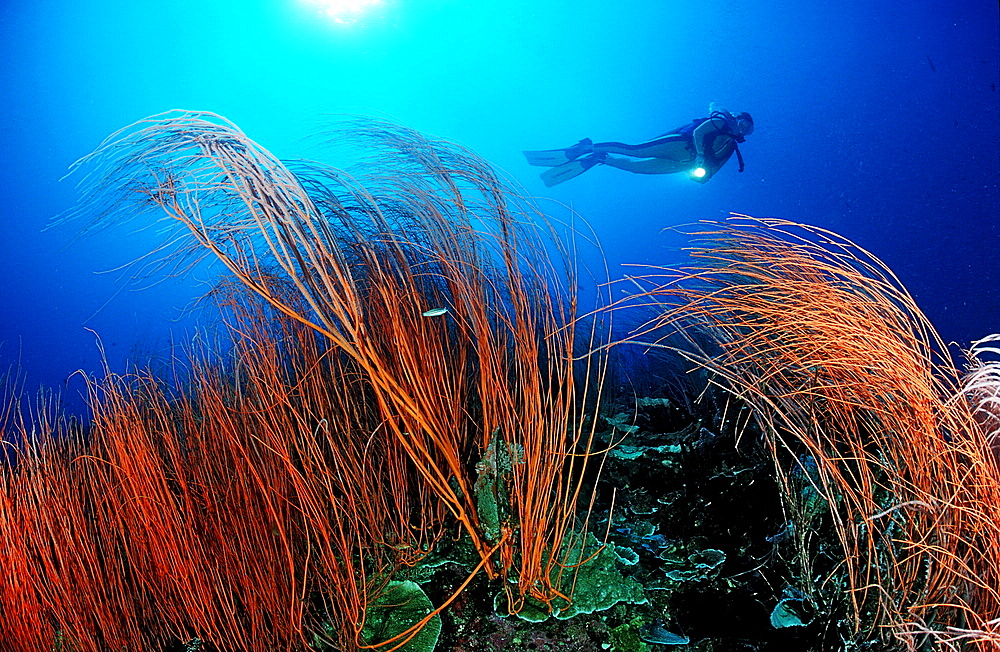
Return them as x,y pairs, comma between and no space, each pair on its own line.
981,387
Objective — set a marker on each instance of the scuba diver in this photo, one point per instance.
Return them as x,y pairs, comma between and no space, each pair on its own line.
699,148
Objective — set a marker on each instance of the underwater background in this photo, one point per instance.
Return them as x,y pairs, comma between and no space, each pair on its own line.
876,120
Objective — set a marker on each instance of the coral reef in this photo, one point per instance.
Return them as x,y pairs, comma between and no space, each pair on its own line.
406,437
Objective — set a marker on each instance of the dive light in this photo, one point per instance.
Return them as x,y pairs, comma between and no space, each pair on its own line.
698,172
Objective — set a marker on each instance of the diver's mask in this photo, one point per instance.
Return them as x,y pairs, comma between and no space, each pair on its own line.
744,124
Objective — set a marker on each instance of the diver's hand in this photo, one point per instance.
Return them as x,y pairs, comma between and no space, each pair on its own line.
699,162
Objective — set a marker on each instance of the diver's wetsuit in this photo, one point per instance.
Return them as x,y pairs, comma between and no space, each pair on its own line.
677,150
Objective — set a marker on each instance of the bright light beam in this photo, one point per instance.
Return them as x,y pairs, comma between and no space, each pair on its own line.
344,12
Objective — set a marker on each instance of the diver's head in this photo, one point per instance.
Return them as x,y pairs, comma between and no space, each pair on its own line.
744,124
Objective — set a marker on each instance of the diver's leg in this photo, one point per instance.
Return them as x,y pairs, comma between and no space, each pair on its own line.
648,165
671,146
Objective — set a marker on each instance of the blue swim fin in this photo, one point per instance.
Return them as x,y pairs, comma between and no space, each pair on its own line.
567,171
554,157
547,157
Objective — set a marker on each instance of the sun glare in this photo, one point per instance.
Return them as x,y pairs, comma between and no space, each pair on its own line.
344,12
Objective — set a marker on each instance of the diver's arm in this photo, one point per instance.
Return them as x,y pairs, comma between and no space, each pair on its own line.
716,124
716,157
700,135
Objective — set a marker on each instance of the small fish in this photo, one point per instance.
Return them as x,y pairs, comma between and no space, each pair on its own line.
435,312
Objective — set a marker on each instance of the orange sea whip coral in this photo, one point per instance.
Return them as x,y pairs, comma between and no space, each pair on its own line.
232,511
25,622
360,262
842,369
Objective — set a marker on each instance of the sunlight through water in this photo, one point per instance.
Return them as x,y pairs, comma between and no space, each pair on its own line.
344,12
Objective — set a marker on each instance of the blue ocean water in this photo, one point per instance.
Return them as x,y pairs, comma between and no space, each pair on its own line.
878,120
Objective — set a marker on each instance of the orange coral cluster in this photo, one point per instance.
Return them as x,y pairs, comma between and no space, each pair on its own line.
388,334
243,510
841,368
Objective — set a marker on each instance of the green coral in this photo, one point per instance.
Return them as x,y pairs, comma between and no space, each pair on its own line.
793,610
626,638
492,487
623,423
401,606
626,555
702,565
599,585
624,452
